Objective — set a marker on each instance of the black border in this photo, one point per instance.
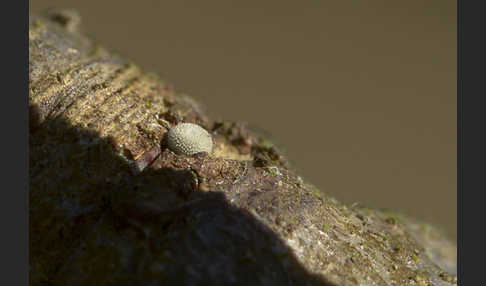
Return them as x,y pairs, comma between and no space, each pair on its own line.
471,141
14,211
459,143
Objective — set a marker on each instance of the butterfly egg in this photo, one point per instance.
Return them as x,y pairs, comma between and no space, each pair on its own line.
189,139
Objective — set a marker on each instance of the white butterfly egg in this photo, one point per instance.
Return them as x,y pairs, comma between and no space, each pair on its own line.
189,139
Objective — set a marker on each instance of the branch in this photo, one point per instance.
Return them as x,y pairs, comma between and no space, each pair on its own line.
110,204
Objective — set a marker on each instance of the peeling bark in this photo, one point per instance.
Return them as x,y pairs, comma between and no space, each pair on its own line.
111,205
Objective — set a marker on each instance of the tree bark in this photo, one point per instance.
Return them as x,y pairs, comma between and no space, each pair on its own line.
111,205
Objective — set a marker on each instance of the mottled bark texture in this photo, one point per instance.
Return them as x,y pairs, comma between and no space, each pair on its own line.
111,205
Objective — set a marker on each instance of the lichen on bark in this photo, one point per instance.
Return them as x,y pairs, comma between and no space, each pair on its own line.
111,205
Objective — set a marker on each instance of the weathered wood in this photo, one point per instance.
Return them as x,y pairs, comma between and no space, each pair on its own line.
110,205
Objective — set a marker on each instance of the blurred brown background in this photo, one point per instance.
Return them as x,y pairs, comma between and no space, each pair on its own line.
362,94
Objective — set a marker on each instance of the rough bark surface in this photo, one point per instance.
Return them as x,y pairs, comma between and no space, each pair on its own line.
111,205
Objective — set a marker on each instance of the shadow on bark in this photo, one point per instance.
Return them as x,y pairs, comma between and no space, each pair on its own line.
94,222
